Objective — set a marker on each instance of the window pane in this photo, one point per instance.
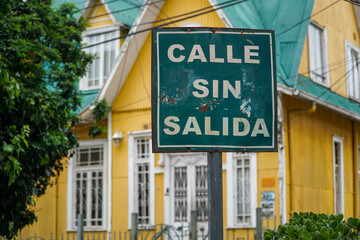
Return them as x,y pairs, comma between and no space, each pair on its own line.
317,52
338,177
109,53
84,198
94,70
143,193
201,192
243,194
83,157
354,74
142,149
90,156
180,194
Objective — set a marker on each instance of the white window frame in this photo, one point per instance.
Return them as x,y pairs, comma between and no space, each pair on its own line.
337,139
324,55
83,86
172,160
352,86
71,218
231,189
132,136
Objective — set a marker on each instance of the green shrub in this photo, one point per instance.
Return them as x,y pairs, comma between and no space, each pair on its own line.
316,226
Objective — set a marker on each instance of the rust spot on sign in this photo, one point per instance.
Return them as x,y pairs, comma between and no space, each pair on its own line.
204,108
162,97
171,100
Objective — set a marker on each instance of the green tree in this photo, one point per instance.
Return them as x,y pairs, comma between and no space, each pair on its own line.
40,65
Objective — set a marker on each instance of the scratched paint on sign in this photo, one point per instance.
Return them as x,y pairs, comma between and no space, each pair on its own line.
213,89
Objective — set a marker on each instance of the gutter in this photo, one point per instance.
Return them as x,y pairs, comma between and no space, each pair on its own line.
306,96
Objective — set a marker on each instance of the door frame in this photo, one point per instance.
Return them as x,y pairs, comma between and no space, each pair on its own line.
170,160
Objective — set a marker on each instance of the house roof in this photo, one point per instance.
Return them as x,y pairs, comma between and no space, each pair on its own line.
289,20
305,84
124,11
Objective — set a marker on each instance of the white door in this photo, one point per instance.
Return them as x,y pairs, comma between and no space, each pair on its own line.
188,189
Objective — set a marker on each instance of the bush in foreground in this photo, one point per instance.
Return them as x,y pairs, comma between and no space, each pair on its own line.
316,226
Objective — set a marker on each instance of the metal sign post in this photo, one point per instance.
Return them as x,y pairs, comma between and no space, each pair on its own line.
215,199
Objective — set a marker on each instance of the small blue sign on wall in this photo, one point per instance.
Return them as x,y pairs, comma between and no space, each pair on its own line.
213,90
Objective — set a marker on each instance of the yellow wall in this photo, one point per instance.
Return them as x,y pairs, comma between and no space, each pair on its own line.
309,173
131,112
313,180
340,23
50,210
267,180
310,184
98,15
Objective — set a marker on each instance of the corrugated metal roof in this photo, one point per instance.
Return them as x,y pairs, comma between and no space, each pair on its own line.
289,20
131,8
78,3
124,11
322,93
87,97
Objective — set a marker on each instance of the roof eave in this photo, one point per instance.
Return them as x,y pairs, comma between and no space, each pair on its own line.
306,96
125,61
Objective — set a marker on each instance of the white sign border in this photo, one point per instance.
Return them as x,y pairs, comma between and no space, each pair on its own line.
214,146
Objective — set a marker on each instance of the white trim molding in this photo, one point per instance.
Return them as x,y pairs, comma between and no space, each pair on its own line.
282,159
133,198
109,147
221,14
338,174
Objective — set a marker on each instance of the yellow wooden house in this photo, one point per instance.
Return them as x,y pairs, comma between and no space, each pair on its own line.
317,163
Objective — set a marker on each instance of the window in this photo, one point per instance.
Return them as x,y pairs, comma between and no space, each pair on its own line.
318,62
141,182
87,185
190,188
352,70
105,56
241,190
338,175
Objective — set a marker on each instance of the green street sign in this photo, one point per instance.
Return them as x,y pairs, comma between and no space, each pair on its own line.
213,90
